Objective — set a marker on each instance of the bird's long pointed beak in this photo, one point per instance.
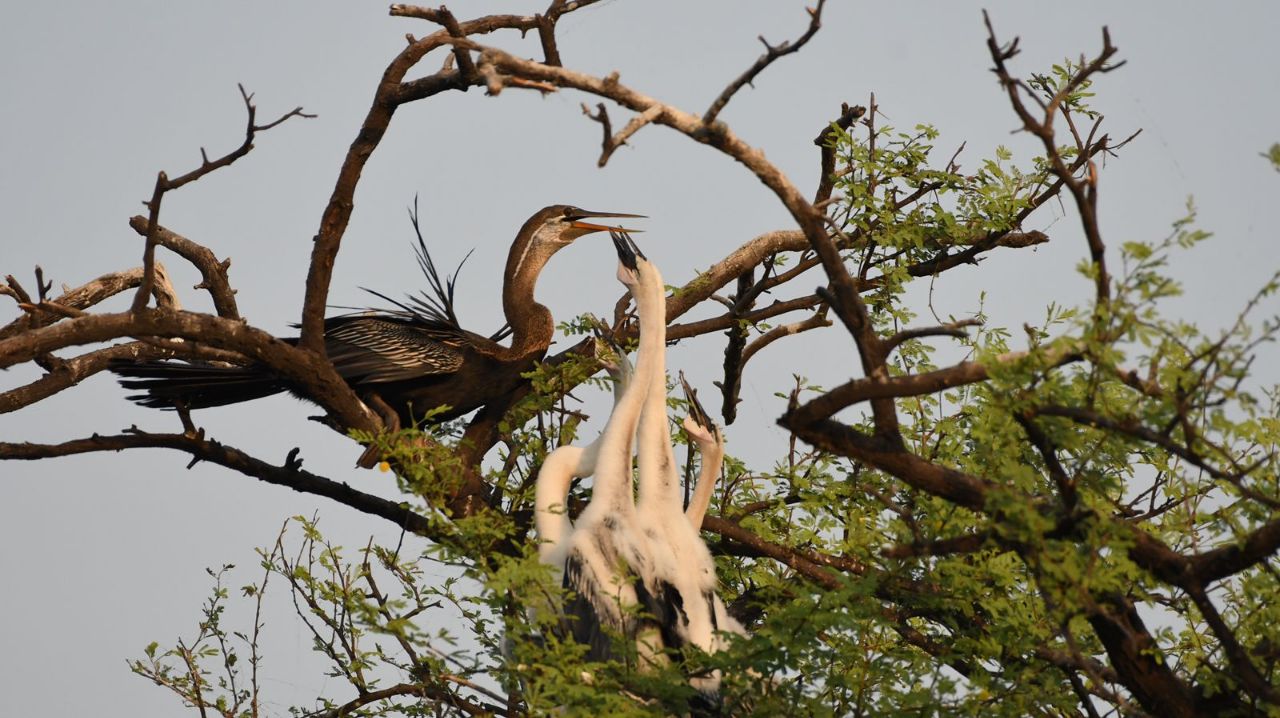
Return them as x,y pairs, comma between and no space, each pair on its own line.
627,249
593,227
696,412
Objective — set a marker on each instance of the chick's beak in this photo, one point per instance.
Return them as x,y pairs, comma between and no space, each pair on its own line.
627,250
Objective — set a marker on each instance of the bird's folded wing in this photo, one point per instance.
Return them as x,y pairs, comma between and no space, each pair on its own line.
375,350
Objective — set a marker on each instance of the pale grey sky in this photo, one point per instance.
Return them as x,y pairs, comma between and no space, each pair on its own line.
102,554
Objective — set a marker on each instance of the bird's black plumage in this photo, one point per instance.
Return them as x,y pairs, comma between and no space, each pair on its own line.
414,357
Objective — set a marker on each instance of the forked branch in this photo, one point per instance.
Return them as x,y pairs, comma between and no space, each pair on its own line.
772,53
164,184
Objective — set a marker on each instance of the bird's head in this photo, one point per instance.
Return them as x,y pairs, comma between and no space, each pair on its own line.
698,423
550,230
630,258
562,223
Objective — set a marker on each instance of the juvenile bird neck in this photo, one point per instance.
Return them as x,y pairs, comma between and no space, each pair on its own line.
656,460
551,496
613,473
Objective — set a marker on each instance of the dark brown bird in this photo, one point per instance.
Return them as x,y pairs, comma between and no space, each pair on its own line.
413,360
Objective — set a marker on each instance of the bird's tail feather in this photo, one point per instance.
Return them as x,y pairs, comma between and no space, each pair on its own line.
166,385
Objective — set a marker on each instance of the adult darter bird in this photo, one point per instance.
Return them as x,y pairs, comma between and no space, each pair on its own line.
407,361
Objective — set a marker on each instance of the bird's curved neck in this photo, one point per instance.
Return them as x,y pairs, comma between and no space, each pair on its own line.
659,489
551,497
712,452
613,468
531,324
559,469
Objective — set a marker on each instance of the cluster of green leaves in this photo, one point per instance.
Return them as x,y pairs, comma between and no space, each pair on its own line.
1273,155
205,671
1208,476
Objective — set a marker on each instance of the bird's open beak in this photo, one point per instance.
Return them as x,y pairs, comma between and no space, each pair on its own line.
593,227
627,249
696,412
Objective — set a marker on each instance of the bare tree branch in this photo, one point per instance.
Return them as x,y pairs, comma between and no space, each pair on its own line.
164,184
82,297
313,375
289,475
1083,191
772,52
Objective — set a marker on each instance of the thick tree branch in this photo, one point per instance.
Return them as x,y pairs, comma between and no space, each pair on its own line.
82,297
337,213
886,454
70,372
860,390
392,92
1235,557
313,375
1138,661
213,273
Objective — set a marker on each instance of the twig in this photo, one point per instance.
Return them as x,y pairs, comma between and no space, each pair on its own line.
612,142
952,329
772,52
1083,191
815,321
164,184
204,449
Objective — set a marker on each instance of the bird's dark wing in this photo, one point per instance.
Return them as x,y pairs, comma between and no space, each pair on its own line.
591,617
373,349
594,617
502,333
664,605
169,384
